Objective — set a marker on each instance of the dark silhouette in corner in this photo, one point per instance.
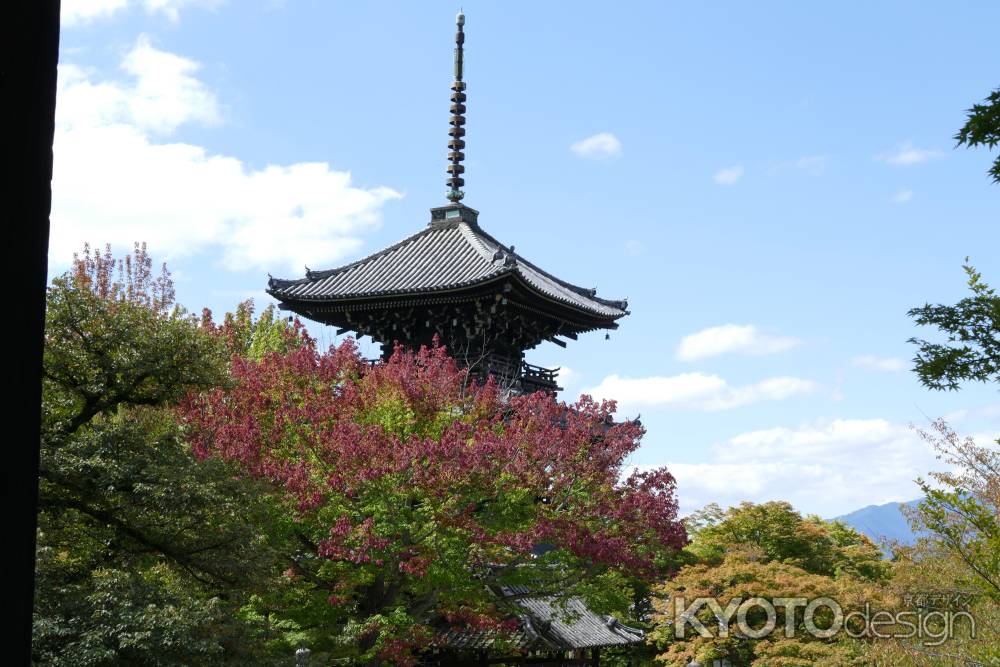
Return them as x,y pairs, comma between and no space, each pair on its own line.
30,39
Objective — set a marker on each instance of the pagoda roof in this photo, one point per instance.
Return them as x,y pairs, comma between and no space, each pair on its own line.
446,256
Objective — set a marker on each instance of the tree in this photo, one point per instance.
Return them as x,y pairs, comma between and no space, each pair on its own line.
930,577
972,329
783,535
961,510
743,574
416,491
145,555
768,551
253,338
982,128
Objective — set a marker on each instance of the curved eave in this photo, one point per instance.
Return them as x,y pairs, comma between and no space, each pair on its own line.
587,293
278,289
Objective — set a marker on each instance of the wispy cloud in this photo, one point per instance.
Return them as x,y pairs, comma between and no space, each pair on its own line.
598,147
634,247
728,175
118,179
902,196
907,154
694,391
732,339
814,164
74,12
883,364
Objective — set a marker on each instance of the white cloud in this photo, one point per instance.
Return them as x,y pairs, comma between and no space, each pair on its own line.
260,297
568,379
171,8
164,95
729,175
117,181
907,154
694,391
598,147
988,412
74,12
811,164
814,164
77,11
992,410
825,467
902,197
732,338
634,247
884,364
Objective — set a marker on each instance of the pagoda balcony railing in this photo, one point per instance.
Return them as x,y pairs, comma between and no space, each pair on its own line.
522,378
518,376
535,378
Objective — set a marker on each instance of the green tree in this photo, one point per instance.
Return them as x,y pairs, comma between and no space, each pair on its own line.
961,510
783,535
770,551
746,573
971,351
145,555
930,576
253,338
982,128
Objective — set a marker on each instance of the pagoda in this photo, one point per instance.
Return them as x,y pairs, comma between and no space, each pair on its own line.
488,305
454,281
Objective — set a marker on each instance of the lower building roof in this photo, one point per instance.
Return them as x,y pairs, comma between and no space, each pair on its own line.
546,624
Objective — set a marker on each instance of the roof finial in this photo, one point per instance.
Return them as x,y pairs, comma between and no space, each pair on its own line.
456,144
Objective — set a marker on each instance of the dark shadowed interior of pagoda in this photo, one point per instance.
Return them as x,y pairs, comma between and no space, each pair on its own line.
488,305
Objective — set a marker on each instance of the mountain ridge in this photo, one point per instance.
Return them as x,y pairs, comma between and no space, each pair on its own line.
882,522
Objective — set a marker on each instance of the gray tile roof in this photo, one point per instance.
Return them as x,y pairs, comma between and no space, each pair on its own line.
545,624
468,640
441,257
572,624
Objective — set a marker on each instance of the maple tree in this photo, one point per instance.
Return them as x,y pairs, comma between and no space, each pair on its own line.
982,128
971,349
416,490
959,511
960,507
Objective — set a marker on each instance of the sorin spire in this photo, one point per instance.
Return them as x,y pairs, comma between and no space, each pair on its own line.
456,143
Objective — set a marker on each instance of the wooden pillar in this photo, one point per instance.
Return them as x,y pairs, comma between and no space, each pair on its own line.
595,657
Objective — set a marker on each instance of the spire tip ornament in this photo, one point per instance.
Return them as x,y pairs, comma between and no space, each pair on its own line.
456,143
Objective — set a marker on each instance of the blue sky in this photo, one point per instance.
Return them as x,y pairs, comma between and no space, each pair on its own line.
772,185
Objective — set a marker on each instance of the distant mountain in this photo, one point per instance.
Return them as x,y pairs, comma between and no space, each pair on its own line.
882,521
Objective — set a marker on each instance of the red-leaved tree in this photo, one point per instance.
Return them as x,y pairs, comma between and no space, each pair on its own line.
415,492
